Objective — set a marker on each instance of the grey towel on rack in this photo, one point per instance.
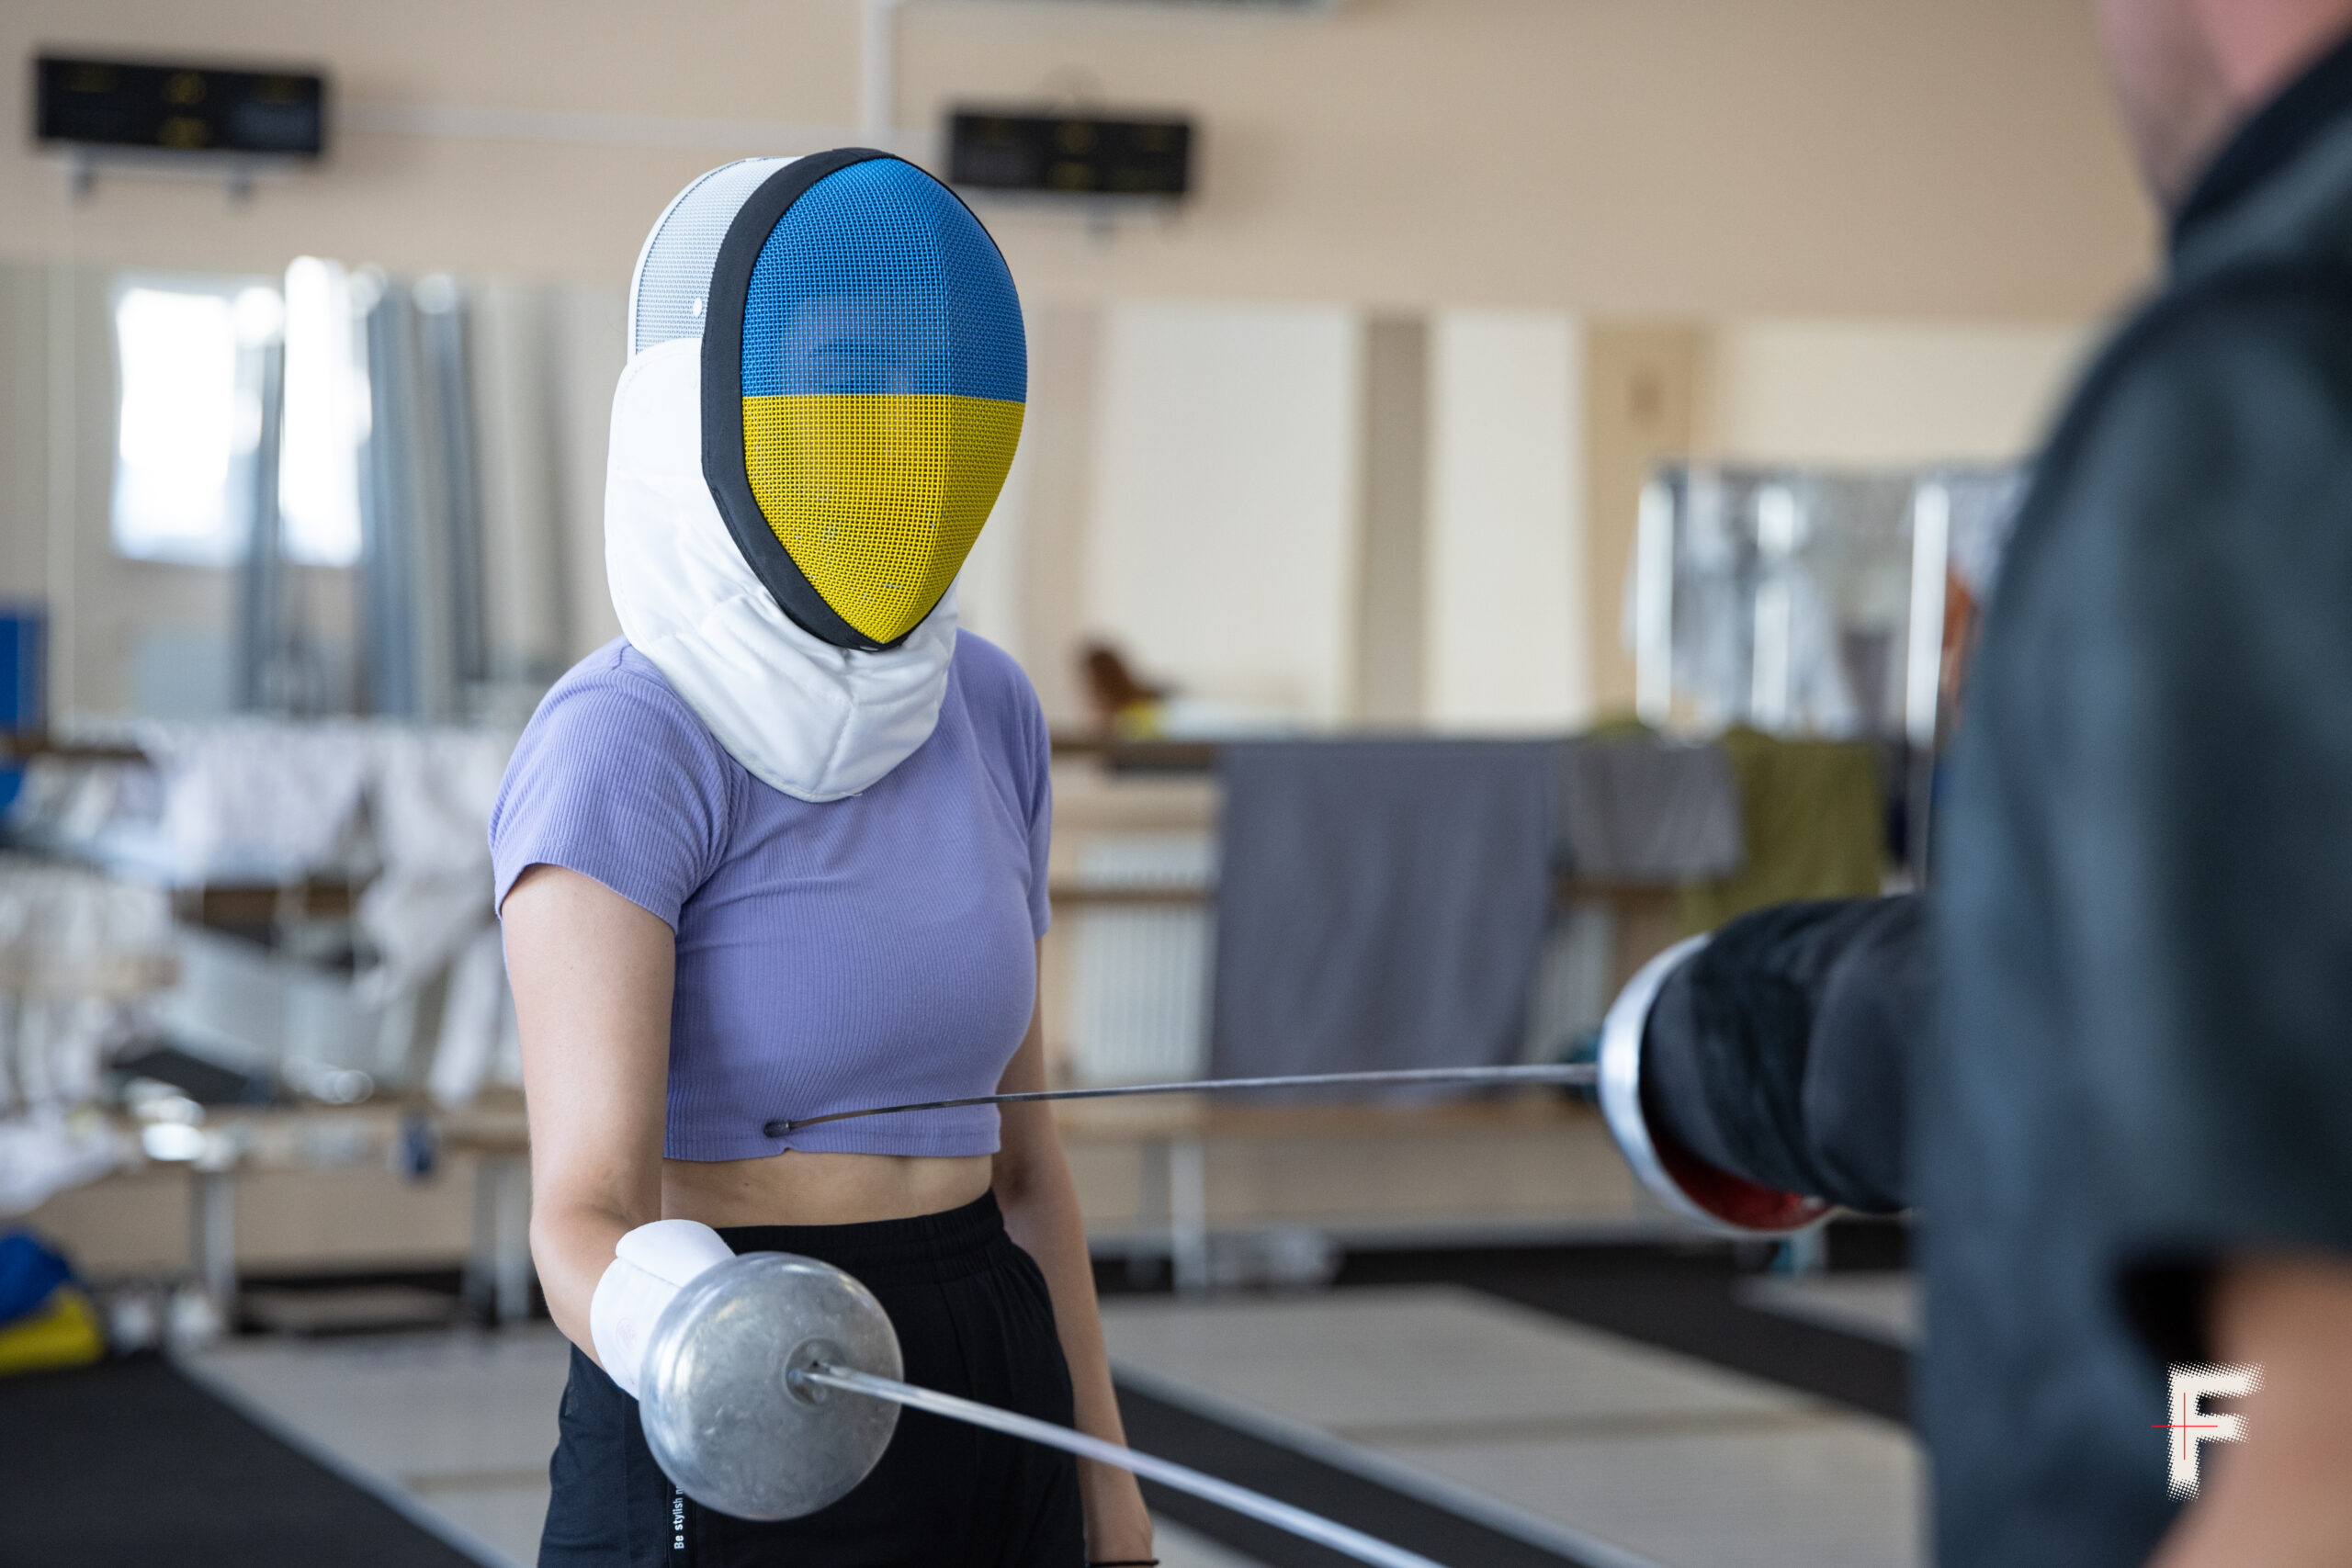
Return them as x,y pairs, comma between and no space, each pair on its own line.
1647,810
1380,903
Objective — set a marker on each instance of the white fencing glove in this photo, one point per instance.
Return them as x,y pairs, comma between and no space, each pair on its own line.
650,1265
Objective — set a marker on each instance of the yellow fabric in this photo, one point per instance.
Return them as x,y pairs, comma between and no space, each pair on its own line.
878,496
63,1332
1813,816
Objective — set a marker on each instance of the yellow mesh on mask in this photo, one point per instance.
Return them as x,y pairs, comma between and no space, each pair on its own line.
877,496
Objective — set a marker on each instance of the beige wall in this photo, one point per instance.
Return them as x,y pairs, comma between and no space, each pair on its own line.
1882,157
1847,230
1647,387
1864,392
1223,544
1505,593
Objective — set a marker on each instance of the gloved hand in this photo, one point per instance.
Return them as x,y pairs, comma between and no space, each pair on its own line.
650,1265
1781,1052
1714,1197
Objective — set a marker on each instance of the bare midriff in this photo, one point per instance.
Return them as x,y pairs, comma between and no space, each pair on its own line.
800,1188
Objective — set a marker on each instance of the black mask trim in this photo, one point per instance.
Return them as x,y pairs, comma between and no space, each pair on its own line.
724,467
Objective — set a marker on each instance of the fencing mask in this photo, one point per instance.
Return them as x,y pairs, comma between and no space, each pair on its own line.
826,383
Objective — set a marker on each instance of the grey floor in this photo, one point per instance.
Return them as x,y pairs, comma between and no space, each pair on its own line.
455,1426
1567,1436
1672,1460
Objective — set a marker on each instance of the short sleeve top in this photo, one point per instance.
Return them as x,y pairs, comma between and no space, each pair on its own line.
869,951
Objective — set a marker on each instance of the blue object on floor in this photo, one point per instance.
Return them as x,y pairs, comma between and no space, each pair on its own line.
23,641
30,1271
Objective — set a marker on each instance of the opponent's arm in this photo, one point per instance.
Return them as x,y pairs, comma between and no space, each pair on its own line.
591,975
1780,1054
1033,1186
2280,1502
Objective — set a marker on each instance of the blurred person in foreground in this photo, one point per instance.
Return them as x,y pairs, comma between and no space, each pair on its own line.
2108,1056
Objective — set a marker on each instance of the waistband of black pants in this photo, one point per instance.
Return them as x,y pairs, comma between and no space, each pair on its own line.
923,1249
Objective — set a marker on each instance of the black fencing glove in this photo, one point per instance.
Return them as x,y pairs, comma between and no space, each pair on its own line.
1780,1051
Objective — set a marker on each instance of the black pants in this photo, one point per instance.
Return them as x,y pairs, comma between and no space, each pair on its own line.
973,1318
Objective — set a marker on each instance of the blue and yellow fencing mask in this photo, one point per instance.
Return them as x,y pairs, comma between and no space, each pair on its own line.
866,327
860,375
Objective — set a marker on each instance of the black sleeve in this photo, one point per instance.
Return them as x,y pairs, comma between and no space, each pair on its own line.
1780,1051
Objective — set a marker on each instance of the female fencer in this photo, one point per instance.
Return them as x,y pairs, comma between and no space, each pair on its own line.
781,850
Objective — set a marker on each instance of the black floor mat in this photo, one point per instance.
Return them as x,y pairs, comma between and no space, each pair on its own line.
133,1464
1678,1302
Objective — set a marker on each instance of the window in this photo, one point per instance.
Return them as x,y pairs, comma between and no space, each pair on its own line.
326,417
189,417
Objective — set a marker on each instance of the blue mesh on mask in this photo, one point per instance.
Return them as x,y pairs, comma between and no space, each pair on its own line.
877,281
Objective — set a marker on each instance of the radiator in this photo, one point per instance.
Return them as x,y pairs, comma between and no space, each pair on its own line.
1142,926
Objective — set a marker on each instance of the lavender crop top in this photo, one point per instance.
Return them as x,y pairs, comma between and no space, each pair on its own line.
864,952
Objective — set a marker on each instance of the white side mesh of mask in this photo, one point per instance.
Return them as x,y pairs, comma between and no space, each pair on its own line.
671,289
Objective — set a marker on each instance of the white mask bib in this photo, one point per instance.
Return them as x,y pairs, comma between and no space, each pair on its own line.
815,721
